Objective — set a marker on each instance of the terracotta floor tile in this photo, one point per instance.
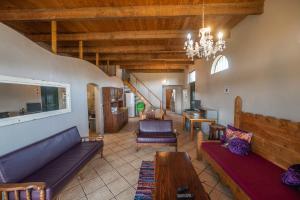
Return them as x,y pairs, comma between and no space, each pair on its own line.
118,186
101,194
74,193
110,176
127,194
92,185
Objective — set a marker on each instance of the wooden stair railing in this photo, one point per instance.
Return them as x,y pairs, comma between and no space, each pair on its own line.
148,89
134,90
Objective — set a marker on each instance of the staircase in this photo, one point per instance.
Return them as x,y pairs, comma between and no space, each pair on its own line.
141,91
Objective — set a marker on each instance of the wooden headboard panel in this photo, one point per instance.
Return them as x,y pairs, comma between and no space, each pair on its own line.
277,140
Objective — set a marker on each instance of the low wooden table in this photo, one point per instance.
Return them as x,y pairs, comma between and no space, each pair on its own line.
173,170
194,119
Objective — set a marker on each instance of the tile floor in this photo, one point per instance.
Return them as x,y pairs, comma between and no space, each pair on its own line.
115,177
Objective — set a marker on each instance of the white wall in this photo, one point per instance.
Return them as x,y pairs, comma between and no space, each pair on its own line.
21,57
154,81
264,65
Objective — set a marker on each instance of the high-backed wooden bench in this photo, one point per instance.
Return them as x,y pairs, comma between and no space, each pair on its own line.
275,146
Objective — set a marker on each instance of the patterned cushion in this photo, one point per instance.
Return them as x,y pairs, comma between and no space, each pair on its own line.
230,134
239,146
292,176
235,129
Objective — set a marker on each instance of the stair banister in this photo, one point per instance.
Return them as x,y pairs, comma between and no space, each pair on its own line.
148,89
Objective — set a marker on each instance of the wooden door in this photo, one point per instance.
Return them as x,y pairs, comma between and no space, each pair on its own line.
168,98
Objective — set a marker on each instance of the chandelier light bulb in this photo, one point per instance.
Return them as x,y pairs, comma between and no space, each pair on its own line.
220,35
191,42
189,36
209,29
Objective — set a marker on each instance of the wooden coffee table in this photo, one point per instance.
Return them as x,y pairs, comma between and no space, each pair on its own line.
173,170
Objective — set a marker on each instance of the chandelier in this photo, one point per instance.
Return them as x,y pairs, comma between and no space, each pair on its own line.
206,47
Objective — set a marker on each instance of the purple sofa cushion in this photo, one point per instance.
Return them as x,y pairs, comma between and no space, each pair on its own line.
259,178
156,138
19,164
156,126
235,129
292,176
57,173
239,146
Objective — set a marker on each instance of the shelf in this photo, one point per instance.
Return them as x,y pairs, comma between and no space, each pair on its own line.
114,121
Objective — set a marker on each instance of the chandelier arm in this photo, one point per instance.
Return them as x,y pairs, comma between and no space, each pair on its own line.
202,13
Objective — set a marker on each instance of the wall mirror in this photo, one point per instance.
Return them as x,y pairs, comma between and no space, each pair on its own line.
24,100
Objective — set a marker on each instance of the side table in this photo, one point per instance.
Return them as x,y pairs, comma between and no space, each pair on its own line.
215,131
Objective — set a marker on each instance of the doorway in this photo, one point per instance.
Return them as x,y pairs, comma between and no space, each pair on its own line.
172,98
169,93
93,109
192,94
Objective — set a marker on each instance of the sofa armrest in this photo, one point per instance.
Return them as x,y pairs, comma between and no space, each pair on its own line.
92,139
27,187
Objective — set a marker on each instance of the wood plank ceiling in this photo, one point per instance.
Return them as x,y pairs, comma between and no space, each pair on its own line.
139,35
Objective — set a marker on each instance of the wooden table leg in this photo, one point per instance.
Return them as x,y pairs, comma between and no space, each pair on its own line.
192,129
183,122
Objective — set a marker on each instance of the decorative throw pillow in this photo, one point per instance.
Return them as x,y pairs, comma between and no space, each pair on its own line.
232,133
239,146
150,114
235,129
292,176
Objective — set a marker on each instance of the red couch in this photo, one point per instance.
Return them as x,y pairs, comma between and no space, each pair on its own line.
258,178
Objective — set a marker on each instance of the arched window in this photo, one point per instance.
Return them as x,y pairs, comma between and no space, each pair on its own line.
219,64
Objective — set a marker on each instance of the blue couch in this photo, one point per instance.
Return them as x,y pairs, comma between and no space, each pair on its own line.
41,169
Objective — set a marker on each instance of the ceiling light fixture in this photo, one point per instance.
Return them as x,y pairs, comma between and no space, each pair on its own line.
206,47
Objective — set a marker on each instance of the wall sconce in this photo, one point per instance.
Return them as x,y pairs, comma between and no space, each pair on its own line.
165,82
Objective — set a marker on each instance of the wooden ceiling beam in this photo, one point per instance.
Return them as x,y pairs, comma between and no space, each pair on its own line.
97,59
151,62
156,70
235,8
126,49
153,66
80,49
54,37
121,35
161,57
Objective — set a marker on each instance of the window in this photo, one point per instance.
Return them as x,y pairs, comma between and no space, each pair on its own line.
219,64
192,76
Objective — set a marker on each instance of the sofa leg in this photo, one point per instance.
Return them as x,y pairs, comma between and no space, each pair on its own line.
137,148
176,147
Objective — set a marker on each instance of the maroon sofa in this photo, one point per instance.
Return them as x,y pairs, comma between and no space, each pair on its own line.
256,176
156,132
50,163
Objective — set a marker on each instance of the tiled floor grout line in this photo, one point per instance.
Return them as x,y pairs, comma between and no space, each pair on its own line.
130,185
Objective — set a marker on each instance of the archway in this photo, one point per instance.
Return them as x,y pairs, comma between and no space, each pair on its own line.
93,109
